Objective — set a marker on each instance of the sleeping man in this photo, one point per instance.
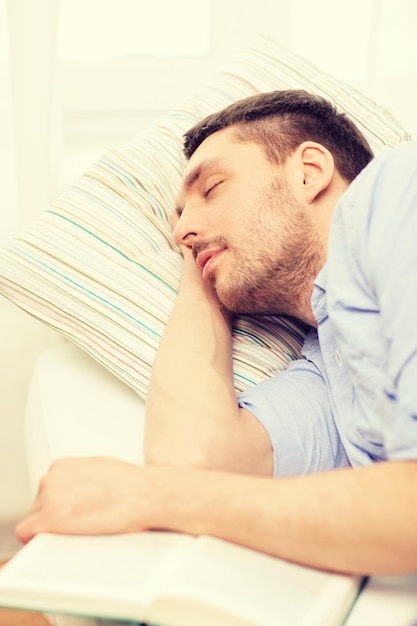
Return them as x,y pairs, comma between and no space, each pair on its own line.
282,210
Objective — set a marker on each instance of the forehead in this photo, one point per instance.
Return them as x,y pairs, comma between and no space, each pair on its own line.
222,150
222,144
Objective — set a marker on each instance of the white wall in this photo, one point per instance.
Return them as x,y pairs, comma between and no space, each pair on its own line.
370,43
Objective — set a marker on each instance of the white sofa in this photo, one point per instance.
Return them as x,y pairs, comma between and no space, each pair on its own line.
76,407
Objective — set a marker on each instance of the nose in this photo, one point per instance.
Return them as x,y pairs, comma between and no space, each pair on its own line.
183,232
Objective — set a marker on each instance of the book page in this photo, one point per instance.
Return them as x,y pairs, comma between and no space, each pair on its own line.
387,601
258,588
188,581
103,576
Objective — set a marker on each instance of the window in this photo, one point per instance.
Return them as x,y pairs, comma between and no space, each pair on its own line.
94,30
124,63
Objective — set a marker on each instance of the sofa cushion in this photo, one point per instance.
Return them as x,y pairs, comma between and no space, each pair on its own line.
99,265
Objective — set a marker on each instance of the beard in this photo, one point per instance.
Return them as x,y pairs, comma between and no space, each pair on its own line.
279,255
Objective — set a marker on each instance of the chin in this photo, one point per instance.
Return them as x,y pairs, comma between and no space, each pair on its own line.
248,300
241,306
247,304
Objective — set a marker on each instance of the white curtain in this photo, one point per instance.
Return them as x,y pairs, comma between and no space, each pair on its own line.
370,43
27,58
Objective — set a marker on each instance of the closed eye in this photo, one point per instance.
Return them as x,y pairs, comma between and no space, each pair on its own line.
208,191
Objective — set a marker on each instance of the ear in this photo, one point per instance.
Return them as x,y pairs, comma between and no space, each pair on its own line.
316,171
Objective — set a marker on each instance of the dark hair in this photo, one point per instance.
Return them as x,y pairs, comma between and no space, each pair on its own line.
281,120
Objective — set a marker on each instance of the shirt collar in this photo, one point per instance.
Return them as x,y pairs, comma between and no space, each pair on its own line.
318,298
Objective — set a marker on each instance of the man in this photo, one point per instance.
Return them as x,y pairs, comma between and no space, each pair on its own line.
270,222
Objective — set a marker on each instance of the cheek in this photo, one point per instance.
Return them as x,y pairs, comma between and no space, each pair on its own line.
237,209
243,217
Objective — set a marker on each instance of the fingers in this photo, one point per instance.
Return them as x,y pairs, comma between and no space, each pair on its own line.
39,518
87,496
26,529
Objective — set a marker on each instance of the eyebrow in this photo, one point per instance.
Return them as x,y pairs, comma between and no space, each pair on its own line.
203,168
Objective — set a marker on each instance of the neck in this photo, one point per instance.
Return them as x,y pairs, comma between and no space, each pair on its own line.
305,314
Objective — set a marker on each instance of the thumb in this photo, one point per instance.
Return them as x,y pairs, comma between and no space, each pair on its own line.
26,529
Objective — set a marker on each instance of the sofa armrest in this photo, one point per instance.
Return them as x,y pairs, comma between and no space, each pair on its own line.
76,407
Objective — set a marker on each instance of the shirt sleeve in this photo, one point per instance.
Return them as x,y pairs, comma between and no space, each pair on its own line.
294,408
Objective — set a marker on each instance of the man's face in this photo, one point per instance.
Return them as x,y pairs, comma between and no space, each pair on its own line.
250,238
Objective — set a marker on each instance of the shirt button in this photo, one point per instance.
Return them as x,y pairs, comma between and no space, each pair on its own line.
338,358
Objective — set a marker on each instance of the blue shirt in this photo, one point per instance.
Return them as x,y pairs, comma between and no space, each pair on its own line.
353,399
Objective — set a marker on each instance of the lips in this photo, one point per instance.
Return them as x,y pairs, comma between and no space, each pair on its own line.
206,259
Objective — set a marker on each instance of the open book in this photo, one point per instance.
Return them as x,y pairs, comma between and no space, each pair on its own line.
171,579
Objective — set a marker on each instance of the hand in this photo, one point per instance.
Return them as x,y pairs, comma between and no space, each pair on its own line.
191,273
90,496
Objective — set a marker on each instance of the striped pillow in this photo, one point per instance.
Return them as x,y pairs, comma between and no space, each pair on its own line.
99,265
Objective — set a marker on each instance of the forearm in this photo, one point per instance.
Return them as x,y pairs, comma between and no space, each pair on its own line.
358,521
191,396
